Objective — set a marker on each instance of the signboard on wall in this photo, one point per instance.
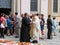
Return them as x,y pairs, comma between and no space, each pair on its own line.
5,3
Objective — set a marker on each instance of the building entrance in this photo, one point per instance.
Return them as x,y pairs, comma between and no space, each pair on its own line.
5,10
5,6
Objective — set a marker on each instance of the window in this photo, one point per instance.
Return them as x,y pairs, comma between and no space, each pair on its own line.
55,5
5,3
34,5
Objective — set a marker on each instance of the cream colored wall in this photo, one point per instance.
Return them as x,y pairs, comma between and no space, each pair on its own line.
50,7
58,19
14,7
57,15
50,10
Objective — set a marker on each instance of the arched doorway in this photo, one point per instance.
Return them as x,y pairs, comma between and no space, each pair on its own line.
5,6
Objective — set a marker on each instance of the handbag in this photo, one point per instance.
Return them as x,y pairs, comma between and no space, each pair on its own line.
2,25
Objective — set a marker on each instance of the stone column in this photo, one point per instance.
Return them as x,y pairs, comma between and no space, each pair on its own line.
18,10
50,7
59,7
39,6
44,8
13,6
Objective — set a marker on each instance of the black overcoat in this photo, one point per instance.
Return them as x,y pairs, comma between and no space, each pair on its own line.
25,30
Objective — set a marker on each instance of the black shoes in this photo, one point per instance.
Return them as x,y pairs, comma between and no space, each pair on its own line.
16,36
34,41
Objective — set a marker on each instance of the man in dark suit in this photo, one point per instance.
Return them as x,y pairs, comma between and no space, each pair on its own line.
25,29
49,27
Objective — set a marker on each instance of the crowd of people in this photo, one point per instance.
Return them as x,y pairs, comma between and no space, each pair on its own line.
32,27
28,27
9,25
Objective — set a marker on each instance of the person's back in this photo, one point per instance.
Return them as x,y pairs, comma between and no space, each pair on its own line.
8,22
54,23
49,23
11,18
49,27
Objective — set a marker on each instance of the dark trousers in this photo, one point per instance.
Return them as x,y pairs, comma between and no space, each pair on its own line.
49,34
11,30
2,32
5,31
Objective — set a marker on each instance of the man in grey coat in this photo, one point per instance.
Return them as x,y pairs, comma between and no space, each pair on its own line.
18,25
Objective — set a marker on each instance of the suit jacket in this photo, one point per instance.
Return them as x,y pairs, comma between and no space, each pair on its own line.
49,23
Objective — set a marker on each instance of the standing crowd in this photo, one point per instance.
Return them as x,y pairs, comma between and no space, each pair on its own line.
9,25
27,27
32,27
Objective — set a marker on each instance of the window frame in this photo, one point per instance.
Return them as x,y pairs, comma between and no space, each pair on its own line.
33,2
55,6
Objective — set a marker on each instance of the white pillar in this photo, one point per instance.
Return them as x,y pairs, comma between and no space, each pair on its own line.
13,6
18,8
39,6
25,6
44,8
59,7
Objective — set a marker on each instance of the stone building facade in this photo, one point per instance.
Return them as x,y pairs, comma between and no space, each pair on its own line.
45,7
